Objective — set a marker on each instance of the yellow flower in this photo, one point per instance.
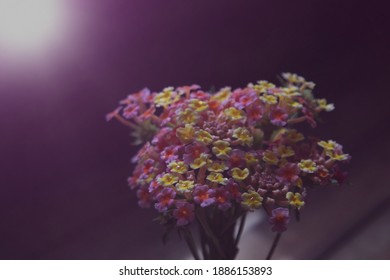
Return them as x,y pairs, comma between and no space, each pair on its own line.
204,137
222,95
166,97
184,185
185,134
243,135
294,135
200,161
167,180
262,86
295,200
290,91
285,151
322,103
270,158
269,99
337,155
221,149
234,114
251,200
217,166
239,174
251,159
178,167
188,116
216,177
307,165
198,105
328,146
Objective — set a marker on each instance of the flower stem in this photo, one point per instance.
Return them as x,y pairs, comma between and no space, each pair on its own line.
274,244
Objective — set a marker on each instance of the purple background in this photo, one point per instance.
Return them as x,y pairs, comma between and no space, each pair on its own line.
63,169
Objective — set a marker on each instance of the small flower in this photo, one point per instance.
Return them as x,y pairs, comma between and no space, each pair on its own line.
184,185
329,145
288,173
144,198
337,155
184,213
295,199
294,136
165,98
269,99
169,153
243,135
167,179
222,95
203,137
198,105
308,166
217,166
216,177
165,199
285,151
222,199
200,161
187,116
293,78
221,149
178,167
322,103
203,195
130,111
262,86
250,159
239,174
234,114
279,219
236,158
270,157
251,200
186,134
278,117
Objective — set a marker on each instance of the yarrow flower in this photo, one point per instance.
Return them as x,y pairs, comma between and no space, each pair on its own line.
232,151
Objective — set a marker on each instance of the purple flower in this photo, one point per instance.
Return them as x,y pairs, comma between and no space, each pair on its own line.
222,198
278,117
184,213
165,199
203,195
279,219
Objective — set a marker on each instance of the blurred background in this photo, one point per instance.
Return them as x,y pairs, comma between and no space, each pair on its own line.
65,64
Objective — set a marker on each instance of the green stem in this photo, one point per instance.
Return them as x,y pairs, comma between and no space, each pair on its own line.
274,244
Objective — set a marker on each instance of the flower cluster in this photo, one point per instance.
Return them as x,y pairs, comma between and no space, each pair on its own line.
229,149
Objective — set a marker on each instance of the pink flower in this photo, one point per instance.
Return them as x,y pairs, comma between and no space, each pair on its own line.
236,159
170,153
288,173
222,198
194,151
144,198
165,199
278,116
203,195
279,219
254,113
131,111
244,97
184,213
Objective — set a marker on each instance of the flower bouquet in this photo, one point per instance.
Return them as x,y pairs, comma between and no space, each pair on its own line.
214,157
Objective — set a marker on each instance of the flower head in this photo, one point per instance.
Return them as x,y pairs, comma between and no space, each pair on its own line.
237,149
184,213
279,219
251,200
